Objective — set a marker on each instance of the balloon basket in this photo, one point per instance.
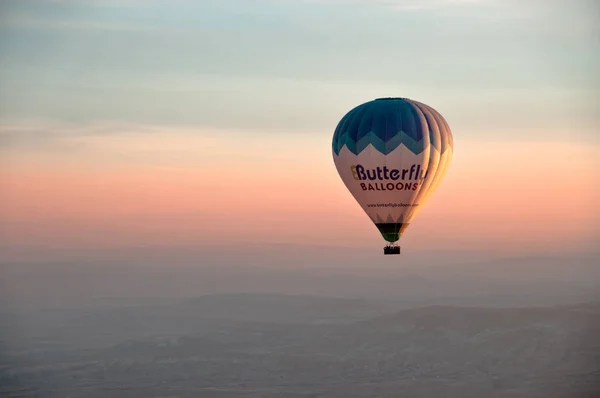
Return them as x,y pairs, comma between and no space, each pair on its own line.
391,249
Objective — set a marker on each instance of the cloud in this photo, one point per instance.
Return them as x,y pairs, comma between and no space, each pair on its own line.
406,4
120,136
396,4
32,22
106,144
105,3
62,135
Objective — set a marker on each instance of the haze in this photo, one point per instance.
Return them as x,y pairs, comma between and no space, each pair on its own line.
172,224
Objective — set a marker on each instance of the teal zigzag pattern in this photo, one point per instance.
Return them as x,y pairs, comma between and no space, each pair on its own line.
357,147
387,123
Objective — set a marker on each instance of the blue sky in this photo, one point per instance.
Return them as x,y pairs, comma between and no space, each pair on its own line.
497,69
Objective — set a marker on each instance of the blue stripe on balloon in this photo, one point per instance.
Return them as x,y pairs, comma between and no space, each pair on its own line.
387,123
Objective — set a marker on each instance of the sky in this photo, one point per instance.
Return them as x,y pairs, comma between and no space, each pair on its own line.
206,123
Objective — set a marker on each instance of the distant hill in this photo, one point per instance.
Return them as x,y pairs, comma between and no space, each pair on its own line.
414,278
280,308
269,346
477,319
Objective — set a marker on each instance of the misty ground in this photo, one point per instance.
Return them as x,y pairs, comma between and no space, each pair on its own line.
484,329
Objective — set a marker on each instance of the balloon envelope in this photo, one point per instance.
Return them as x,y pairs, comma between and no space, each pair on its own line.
392,153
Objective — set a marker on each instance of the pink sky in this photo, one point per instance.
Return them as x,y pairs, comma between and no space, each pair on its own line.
178,187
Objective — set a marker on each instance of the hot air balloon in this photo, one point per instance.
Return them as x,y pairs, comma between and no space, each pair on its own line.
392,153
